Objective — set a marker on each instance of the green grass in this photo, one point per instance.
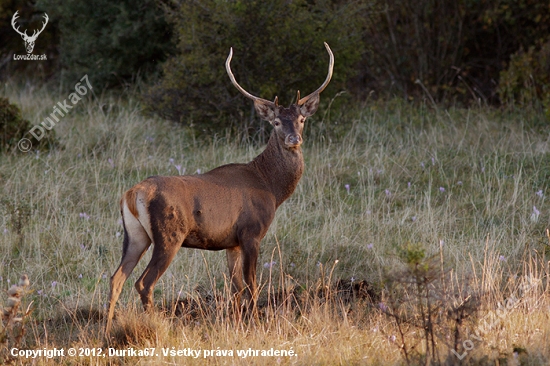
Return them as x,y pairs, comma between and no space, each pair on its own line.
469,181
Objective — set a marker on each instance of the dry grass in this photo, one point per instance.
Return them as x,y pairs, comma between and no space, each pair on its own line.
468,186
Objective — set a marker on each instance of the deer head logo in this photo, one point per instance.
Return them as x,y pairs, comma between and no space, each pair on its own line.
29,40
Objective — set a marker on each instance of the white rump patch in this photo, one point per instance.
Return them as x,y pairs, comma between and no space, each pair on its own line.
136,225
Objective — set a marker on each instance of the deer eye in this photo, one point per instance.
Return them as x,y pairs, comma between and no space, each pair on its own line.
277,123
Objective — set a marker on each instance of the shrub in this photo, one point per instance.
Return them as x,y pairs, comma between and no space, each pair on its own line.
109,41
13,127
423,296
526,81
456,49
278,49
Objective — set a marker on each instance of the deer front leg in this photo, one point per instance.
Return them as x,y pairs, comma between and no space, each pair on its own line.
250,252
235,264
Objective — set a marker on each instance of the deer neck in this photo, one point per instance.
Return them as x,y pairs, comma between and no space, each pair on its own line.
280,168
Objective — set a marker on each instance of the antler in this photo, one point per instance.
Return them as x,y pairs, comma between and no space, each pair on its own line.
24,34
43,26
327,80
13,19
240,88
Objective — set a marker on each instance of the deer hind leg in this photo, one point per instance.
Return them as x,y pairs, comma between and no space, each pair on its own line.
136,242
164,251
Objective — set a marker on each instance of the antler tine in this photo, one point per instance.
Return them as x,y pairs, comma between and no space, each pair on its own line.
327,80
13,19
240,88
44,23
35,33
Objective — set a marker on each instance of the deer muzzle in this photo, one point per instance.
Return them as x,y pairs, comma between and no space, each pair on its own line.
293,140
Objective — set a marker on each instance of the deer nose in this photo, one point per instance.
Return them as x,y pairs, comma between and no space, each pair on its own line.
293,140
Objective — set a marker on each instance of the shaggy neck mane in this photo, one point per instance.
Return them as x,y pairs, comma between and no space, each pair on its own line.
280,168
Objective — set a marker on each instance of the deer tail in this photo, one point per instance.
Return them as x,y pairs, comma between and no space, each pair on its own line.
130,197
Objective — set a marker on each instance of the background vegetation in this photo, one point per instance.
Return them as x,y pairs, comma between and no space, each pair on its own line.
278,49
447,52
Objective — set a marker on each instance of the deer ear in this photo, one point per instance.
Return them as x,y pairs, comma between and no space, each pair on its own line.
310,106
266,111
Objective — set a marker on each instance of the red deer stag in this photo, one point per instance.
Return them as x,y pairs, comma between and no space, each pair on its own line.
230,207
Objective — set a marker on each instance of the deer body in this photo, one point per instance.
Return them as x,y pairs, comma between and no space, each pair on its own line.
228,208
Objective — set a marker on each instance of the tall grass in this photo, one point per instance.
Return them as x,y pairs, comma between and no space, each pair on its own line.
469,186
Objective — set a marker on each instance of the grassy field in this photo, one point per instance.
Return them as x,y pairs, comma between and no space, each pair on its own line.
415,236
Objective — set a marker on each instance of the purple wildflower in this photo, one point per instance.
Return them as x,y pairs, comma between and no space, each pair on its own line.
269,264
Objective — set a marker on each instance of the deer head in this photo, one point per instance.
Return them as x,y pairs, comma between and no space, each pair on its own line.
29,40
288,122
